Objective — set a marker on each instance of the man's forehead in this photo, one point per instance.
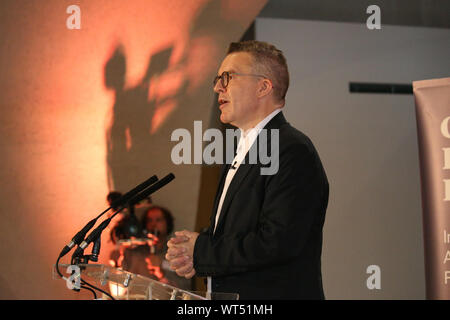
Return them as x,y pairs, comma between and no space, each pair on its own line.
154,212
237,62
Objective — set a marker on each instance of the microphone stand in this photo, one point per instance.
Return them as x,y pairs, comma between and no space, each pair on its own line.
84,259
78,256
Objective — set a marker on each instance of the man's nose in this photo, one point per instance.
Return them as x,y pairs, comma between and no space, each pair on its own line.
218,88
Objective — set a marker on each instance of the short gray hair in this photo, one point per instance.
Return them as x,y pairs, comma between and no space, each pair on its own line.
270,60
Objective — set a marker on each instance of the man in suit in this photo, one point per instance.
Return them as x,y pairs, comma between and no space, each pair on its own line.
265,237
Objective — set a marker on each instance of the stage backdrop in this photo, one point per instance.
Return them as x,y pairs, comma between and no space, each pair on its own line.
90,93
368,144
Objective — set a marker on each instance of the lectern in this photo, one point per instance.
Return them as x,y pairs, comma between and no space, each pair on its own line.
124,285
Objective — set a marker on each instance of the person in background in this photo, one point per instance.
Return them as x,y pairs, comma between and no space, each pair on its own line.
126,233
144,253
126,224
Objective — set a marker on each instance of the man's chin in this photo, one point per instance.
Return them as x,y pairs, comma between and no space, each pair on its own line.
224,119
227,120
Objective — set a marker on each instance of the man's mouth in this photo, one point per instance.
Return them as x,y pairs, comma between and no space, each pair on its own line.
222,102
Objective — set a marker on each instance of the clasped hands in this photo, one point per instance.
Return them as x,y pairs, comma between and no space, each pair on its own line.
180,253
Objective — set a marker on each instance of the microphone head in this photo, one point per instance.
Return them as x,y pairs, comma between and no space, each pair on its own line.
153,188
130,194
167,179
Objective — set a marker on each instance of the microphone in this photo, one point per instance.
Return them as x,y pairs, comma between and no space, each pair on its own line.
92,236
78,238
153,188
130,194
137,198
96,249
233,166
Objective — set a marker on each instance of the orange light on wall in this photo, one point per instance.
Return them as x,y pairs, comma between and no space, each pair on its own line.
66,136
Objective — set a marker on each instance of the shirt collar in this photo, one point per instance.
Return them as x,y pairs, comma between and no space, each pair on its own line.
256,129
249,136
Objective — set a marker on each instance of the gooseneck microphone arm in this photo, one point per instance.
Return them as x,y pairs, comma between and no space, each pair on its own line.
96,249
131,199
79,237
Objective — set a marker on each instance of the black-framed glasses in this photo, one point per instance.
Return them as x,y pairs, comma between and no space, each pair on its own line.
226,76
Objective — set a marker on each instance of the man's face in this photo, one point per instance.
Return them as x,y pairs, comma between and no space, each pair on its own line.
238,101
156,222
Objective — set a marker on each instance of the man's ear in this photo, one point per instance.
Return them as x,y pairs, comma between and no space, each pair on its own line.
265,88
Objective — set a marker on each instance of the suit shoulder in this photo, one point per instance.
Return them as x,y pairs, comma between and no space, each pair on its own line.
297,150
292,139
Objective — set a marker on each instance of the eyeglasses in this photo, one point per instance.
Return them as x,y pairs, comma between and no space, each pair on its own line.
225,77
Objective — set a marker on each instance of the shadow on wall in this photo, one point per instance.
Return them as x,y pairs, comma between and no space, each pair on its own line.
170,95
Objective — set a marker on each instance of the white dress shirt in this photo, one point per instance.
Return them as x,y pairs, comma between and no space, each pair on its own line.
246,140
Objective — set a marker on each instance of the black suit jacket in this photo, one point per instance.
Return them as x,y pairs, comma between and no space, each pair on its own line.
268,240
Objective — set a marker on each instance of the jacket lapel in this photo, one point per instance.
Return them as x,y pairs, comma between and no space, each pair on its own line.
242,172
223,174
